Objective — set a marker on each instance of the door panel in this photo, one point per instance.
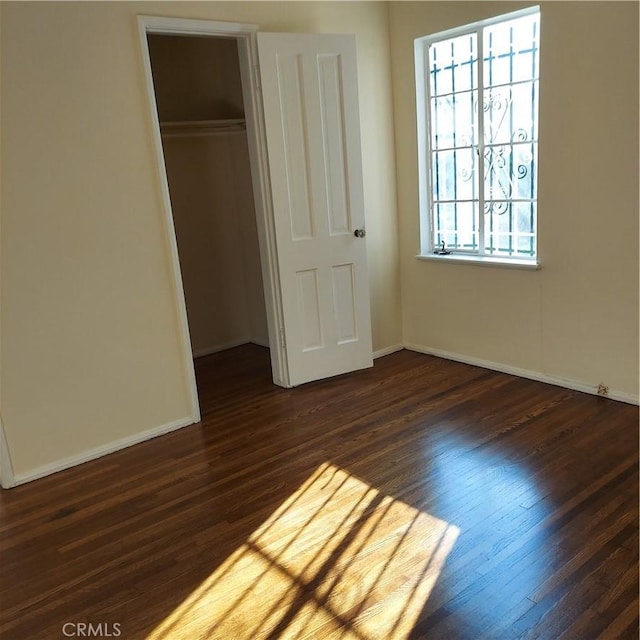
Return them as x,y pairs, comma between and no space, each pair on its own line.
344,301
309,86
332,120
309,299
294,132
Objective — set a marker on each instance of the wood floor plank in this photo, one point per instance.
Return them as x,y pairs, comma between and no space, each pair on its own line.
422,498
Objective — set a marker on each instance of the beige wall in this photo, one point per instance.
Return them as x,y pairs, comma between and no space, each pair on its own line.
5,465
576,318
90,352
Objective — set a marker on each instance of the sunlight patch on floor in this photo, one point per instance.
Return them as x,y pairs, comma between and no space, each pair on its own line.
338,559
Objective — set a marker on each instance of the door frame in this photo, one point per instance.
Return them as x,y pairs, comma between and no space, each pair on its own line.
246,37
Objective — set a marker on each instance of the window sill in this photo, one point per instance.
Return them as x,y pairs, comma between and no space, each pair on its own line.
484,261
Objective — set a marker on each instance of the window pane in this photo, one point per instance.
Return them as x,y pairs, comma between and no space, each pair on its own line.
457,224
525,165
454,120
453,65
510,228
525,218
510,171
511,51
454,174
511,113
498,225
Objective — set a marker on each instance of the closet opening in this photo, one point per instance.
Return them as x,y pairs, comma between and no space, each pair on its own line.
198,89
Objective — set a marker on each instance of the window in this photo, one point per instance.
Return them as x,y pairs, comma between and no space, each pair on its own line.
477,92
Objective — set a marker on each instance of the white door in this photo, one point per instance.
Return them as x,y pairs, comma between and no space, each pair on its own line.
309,87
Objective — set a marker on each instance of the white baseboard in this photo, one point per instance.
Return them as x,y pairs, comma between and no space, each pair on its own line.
98,452
10,480
567,383
207,351
387,351
223,346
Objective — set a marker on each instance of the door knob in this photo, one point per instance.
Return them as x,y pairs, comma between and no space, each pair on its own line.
359,233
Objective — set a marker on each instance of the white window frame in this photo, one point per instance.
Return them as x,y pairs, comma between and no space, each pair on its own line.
425,191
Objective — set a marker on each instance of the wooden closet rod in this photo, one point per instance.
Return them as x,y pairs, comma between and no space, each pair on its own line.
192,128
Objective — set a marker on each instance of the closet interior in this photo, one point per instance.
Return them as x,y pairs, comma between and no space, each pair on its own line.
199,100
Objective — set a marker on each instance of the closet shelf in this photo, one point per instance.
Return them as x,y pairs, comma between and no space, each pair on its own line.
189,128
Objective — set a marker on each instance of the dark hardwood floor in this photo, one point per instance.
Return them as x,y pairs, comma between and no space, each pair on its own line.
420,499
